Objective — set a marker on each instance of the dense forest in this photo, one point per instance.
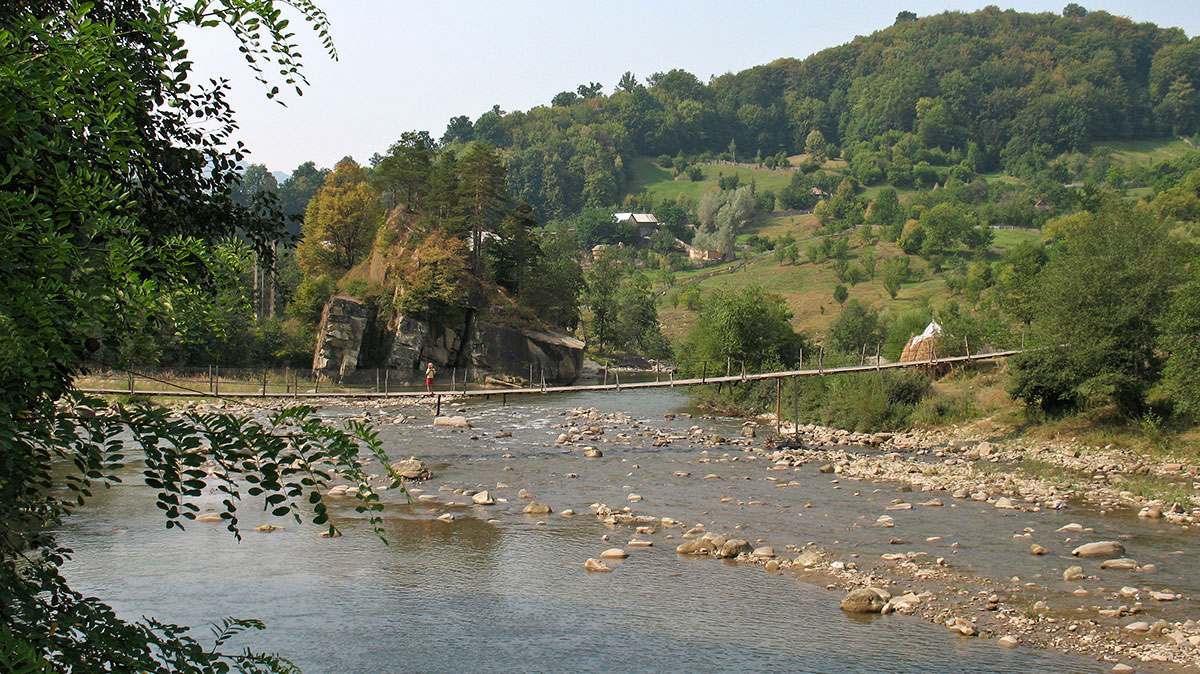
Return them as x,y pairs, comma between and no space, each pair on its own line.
989,88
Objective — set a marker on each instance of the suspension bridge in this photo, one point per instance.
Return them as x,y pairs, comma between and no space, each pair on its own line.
669,381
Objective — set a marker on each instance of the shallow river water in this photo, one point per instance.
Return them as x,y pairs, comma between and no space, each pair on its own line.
512,596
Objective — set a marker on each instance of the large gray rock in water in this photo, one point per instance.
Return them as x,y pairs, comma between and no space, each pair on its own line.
865,600
1100,549
412,468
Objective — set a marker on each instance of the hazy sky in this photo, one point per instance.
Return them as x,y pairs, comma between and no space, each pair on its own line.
413,65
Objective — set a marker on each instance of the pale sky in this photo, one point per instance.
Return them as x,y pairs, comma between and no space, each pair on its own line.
407,65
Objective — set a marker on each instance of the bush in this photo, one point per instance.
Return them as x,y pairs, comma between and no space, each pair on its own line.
943,407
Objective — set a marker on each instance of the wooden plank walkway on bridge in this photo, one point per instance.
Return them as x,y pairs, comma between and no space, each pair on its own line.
670,382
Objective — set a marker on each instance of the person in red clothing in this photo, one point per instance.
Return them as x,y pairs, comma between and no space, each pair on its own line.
429,372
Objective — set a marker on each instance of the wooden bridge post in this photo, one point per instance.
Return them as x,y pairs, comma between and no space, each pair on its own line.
703,371
130,374
387,371
876,356
217,381
438,411
264,382
795,406
821,361
778,405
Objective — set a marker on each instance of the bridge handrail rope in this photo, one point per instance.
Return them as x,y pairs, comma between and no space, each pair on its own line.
702,380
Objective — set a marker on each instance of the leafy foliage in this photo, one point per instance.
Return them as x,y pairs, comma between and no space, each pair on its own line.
1100,297
747,326
116,176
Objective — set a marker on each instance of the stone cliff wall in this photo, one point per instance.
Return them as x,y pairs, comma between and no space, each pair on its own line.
344,321
500,348
487,347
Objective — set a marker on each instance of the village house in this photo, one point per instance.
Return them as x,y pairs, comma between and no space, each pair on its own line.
647,225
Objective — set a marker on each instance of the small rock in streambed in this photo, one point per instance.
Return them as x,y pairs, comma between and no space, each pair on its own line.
535,508
593,564
614,553
451,422
1099,549
412,468
962,626
1123,563
1008,641
865,600
1036,549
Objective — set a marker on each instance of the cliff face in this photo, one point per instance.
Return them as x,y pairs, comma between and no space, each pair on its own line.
471,341
344,322
556,357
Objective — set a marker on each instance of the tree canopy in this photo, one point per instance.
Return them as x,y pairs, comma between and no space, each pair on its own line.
117,177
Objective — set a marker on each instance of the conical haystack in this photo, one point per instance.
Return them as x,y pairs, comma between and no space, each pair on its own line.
921,347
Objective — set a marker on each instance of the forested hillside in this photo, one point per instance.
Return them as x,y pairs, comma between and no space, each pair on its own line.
989,89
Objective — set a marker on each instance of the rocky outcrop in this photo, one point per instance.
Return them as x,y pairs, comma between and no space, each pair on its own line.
408,344
499,348
340,335
486,347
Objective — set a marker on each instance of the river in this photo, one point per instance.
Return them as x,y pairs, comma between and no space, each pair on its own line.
496,590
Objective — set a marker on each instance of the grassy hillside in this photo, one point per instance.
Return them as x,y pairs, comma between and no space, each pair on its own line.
807,287
661,183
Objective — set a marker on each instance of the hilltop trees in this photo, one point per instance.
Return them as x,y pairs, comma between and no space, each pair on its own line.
976,88
340,224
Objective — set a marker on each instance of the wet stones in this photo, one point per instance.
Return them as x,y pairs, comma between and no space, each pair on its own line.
865,600
1008,641
905,603
592,453
962,626
1099,549
732,548
483,498
1073,573
1123,563
1036,549
614,553
451,422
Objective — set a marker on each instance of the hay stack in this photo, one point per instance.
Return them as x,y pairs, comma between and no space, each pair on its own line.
921,347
